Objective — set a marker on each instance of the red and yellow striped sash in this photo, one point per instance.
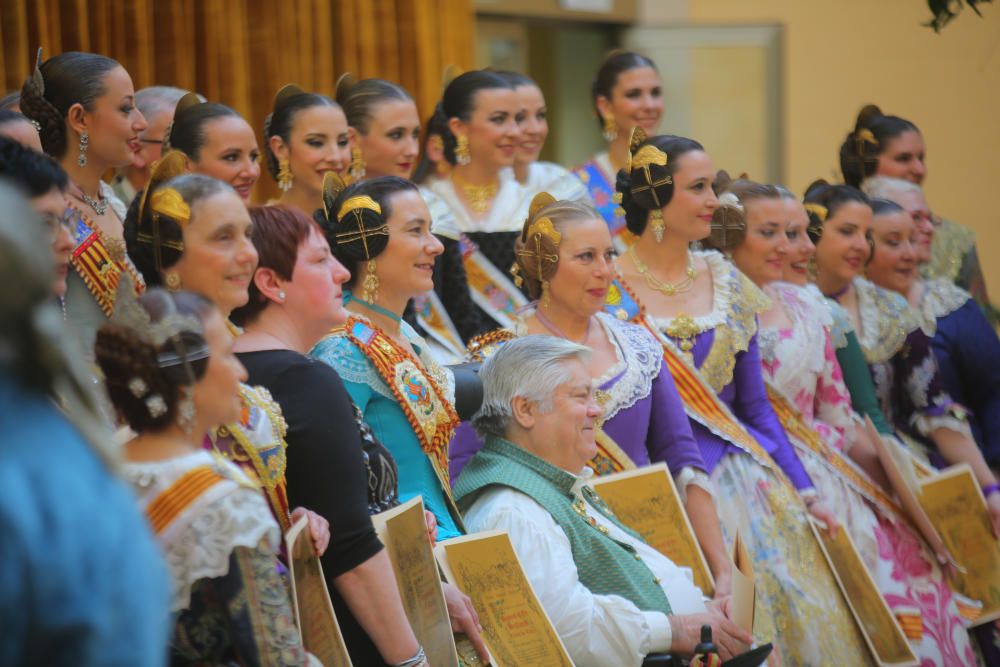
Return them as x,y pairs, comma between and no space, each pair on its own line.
180,495
791,419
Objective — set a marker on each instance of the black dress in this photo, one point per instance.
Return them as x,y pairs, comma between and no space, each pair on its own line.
335,468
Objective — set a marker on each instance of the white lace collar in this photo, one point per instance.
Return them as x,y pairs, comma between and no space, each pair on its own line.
886,320
639,360
198,541
724,279
940,297
510,208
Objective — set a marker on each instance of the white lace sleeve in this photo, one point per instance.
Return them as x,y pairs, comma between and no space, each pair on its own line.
239,517
688,476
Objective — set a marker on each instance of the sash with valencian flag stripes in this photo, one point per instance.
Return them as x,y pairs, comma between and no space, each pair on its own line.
701,403
431,416
100,271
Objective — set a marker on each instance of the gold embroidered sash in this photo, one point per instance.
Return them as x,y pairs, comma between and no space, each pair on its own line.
99,267
490,289
431,416
800,432
258,450
434,319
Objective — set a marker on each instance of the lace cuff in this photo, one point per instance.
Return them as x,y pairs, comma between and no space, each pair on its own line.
688,476
925,424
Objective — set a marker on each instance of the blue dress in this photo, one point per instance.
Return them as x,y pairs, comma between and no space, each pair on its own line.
82,582
968,354
383,413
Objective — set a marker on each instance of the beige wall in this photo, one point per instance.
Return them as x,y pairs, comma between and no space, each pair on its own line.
841,54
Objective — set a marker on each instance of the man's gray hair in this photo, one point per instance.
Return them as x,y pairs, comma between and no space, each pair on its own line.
530,367
885,187
155,100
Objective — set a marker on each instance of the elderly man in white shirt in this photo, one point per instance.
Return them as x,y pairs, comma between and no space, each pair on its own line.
612,598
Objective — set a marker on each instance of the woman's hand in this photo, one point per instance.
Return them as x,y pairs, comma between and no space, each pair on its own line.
432,527
319,528
464,619
822,511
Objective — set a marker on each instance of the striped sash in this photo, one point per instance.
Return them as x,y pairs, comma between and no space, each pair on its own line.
180,495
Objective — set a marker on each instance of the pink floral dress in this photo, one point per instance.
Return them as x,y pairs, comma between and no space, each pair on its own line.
800,363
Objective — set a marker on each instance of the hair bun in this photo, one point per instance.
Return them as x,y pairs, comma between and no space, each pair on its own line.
721,182
342,89
868,113
729,223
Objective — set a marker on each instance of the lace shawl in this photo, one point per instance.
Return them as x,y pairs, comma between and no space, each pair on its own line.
197,543
940,297
735,304
886,321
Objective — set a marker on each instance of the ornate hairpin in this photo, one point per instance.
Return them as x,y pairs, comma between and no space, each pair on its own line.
635,137
862,137
354,207
130,313
817,210
169,202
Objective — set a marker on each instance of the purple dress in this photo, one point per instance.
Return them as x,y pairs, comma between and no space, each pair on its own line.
723,347
643,413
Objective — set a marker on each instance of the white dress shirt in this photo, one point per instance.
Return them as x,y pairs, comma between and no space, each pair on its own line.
597,630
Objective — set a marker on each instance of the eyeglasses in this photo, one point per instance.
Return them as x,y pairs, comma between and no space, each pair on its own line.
56,224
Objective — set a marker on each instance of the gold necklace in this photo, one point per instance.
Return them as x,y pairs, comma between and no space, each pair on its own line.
480,196
668,289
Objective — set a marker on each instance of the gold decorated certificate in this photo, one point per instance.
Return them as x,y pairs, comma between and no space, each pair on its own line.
646,500
314,613
403,531
516,629
955,504
884,637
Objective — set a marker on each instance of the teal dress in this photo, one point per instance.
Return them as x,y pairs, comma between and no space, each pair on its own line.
383,413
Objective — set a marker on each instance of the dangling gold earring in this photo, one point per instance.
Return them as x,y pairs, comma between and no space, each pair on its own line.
357,168
173,282
285,177
610,128
545,294
369,288
462,150
656,222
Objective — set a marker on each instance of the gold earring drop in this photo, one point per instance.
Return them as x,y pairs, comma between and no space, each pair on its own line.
462,150
285,177
173,282
357,169
369,287
656,222
610,128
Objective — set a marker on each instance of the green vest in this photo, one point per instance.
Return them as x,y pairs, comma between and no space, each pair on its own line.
605,566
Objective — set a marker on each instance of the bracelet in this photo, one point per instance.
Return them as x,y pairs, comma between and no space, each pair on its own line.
990,489
419,660
809,496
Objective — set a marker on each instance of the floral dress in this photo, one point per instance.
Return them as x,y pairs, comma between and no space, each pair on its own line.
800,363
756,486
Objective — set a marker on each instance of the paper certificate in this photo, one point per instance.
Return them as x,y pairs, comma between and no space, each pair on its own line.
647,501
314,613
885,639
744,604
403,531
516,629
955,505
